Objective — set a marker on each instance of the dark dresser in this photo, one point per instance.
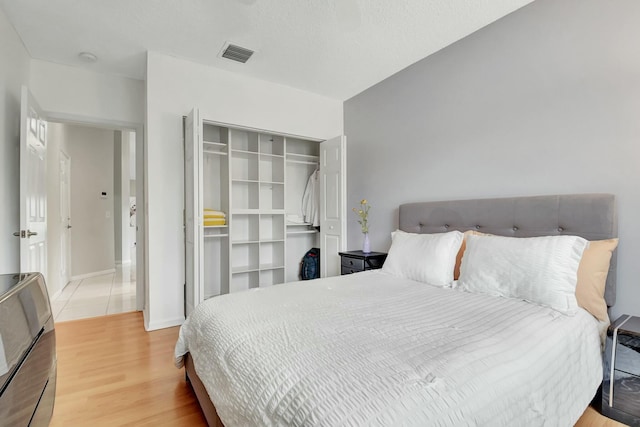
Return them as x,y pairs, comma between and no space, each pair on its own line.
355,261
621,385
27,352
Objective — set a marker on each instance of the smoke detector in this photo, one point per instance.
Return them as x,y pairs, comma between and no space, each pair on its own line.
236,53
87,57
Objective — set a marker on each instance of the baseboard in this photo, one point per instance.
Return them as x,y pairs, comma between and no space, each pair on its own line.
93,274
57,293
169,323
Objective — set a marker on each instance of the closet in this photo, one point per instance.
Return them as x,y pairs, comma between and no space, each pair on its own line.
246,223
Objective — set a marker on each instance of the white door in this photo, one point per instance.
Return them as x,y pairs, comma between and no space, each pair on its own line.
65,217
193,195
333,191
33,188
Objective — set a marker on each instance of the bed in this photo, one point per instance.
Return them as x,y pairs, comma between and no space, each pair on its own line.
373,348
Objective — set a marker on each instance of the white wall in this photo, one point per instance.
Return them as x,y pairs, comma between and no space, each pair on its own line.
14,72
92,235
543,101
82,93
174,87
57,140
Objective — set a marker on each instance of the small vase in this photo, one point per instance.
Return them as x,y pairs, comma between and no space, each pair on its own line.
366,245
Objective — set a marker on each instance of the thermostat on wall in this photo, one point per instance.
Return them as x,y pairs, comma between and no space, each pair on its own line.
103,195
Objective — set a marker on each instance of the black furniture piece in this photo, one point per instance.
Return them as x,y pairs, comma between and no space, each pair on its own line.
355,261
621,385
27,351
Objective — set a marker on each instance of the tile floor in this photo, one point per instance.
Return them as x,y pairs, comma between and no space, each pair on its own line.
97,296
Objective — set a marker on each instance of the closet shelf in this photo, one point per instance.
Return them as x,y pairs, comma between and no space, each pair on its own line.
258,211
271,240
302,162
279,156
302,156
244,269
211,236
216,153
244,151
244,180
214,143
302,232
271,266
245,242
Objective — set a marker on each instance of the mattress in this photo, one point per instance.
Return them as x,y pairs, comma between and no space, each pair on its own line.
372,349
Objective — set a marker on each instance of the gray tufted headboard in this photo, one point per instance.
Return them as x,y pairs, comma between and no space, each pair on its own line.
592,216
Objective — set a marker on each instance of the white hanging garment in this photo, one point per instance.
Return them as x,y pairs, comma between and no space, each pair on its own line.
310,200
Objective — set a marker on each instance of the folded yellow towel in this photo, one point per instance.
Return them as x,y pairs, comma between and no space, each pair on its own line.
208,222
212,213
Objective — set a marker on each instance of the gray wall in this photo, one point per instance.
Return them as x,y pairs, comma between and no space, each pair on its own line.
92,235
543,101
14,72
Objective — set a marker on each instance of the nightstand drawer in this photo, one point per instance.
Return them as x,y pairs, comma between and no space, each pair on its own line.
349,270
353,263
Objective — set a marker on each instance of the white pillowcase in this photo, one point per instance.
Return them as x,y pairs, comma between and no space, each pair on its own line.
542,270
428,258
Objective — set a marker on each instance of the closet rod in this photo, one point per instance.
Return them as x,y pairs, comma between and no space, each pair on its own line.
302,162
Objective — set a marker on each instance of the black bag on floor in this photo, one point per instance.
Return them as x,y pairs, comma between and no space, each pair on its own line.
310,265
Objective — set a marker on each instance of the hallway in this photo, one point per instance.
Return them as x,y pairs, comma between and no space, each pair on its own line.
97,296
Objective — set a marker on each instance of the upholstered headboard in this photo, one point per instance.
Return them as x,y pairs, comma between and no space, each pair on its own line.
592,216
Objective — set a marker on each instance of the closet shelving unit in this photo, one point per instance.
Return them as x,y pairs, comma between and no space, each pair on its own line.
258,179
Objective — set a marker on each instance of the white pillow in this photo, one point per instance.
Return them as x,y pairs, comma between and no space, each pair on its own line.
542,270
428,258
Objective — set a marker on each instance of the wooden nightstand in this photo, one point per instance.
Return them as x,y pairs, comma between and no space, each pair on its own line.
355,261
622,365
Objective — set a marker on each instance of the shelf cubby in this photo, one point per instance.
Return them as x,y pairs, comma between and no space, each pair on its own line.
271,168
271,277
216,266
244,140
244,281
245,195
272,227
272,144
244,166
245,257
245,228
271,196
271,255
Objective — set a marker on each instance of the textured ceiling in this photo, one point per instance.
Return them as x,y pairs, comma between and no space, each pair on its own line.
335,48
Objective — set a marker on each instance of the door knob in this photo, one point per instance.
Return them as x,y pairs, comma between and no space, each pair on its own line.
31,233
17,234
68,226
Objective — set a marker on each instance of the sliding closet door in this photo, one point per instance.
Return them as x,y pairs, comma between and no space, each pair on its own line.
333,191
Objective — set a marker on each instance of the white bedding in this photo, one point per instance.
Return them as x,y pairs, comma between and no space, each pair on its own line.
372,349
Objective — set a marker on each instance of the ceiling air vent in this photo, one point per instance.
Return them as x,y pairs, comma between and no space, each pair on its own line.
236,53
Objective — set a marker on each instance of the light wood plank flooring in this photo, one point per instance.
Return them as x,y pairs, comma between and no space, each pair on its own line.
111,372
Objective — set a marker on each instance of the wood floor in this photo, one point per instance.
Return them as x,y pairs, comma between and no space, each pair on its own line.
113,373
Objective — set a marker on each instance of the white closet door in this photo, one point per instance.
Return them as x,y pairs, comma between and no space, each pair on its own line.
193,211
333,191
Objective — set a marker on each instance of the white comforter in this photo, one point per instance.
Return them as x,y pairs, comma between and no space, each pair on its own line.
371,349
